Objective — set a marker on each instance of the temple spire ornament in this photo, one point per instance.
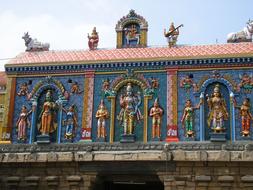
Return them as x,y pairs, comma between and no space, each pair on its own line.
172,34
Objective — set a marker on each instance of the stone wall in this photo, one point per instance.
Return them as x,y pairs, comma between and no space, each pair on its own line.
84,166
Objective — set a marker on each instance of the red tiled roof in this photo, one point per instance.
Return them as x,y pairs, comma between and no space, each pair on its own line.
198,51
3,79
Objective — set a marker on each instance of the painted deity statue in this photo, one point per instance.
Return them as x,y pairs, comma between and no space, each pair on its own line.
93,39
187,118
102,114
129,112
131,33
75,88
172,34
23,122
217,110
70,122
48,115
156,113
246,116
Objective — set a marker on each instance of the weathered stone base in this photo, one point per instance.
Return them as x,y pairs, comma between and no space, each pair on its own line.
127,138
43,139
187,166
218,137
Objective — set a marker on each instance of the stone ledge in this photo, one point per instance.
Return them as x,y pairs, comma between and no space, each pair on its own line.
225,178
203,178
95,146
247,179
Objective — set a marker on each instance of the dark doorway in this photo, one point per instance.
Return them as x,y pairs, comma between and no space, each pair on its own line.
154,185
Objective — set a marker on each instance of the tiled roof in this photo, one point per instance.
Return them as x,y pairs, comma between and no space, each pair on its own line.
3,78
217,50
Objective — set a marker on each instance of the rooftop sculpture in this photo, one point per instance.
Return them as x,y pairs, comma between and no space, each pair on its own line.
33,44
242,36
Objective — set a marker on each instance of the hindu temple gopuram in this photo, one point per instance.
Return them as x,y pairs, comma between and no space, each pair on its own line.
136,117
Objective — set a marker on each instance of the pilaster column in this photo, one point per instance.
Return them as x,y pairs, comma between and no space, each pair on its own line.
87,106
172,128
33,122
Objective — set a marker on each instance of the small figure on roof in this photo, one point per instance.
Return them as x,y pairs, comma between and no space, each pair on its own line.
243,36
93,39
172,34
33,44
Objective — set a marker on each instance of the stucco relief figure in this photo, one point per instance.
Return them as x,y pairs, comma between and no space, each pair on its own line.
23,89
75,89
187,83
48,115
129,112
187,118
243,36
246,82
70,122
131,33
156,113
23,123
246,116
93,39
101,115
172,34
217,110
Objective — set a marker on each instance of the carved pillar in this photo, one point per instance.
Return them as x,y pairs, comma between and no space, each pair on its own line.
60,102
145,121
13,182
232,116
87,106
32,182
33,122
88,181
201,118
172,128
52,182
112,114
74,182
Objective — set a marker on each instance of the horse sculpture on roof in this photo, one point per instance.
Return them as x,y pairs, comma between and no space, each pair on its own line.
33,44
243,36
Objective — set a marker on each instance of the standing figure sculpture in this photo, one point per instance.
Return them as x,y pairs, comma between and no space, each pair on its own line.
187,118
48,115
156,113
246,116
129,112
93,39
23,122
172,34
70,122
102,114
217,110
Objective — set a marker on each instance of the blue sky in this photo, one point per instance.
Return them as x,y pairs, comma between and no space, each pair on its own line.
65,23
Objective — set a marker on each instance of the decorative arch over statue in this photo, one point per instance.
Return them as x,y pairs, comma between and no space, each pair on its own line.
145,87
51,90
228,91
131,31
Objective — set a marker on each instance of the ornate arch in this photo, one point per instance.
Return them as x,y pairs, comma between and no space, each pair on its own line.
131,17
138,82
138,24
219,80
48,82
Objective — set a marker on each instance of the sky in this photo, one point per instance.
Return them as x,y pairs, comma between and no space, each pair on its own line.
65,23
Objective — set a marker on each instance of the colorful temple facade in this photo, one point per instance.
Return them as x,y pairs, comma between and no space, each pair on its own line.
184,110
